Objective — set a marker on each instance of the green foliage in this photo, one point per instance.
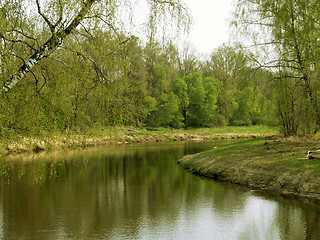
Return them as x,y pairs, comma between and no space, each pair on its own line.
193,80
196,111
166,112
202,99
159,81
289,30
180,89
100,77
249,109
212,88
227,106
98,89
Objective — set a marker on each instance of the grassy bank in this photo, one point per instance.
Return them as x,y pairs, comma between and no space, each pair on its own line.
264,163
119,135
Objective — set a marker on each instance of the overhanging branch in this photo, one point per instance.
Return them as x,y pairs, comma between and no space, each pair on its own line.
51,44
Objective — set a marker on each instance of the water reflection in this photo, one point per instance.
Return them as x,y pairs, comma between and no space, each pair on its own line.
137,192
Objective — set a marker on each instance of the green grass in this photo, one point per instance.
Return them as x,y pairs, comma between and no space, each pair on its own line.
106,135
244,130
253,130
267,154
278,165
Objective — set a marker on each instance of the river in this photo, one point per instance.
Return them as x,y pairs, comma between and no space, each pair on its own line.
138,192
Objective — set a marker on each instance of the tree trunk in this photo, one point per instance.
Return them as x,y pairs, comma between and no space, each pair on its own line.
305,76
53,42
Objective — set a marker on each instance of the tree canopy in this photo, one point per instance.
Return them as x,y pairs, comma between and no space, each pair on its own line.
75,65
286,34
32,30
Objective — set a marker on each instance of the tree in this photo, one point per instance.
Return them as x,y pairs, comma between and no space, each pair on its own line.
196,114
166,112
57,20
58,34
227,106
250,107
212,88
289,31
158,81
188,60
201,99
287,104
230,65
180,89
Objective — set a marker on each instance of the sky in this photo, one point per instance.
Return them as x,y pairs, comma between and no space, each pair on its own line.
211,27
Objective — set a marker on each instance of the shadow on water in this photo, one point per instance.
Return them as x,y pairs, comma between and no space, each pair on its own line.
138,192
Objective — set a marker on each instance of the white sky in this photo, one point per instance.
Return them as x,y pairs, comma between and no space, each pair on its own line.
211,27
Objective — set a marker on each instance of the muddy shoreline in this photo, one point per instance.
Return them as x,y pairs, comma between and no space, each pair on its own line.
276,166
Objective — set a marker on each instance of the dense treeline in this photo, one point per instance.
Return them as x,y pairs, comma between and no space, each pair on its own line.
83,70
102,81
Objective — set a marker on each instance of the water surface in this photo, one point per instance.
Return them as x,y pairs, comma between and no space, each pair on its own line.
138,192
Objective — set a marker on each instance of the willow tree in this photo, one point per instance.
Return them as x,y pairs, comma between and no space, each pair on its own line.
31,30
289,30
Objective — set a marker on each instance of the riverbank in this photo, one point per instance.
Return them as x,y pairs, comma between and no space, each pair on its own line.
274,165
125,135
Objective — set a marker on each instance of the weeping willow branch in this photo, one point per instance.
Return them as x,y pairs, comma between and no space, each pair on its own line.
52,43
177,10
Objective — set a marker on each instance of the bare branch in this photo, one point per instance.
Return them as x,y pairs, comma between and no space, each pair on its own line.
52,43
23,34
60,15
101,17
87,31
17,41
51,26
96,67
172,4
